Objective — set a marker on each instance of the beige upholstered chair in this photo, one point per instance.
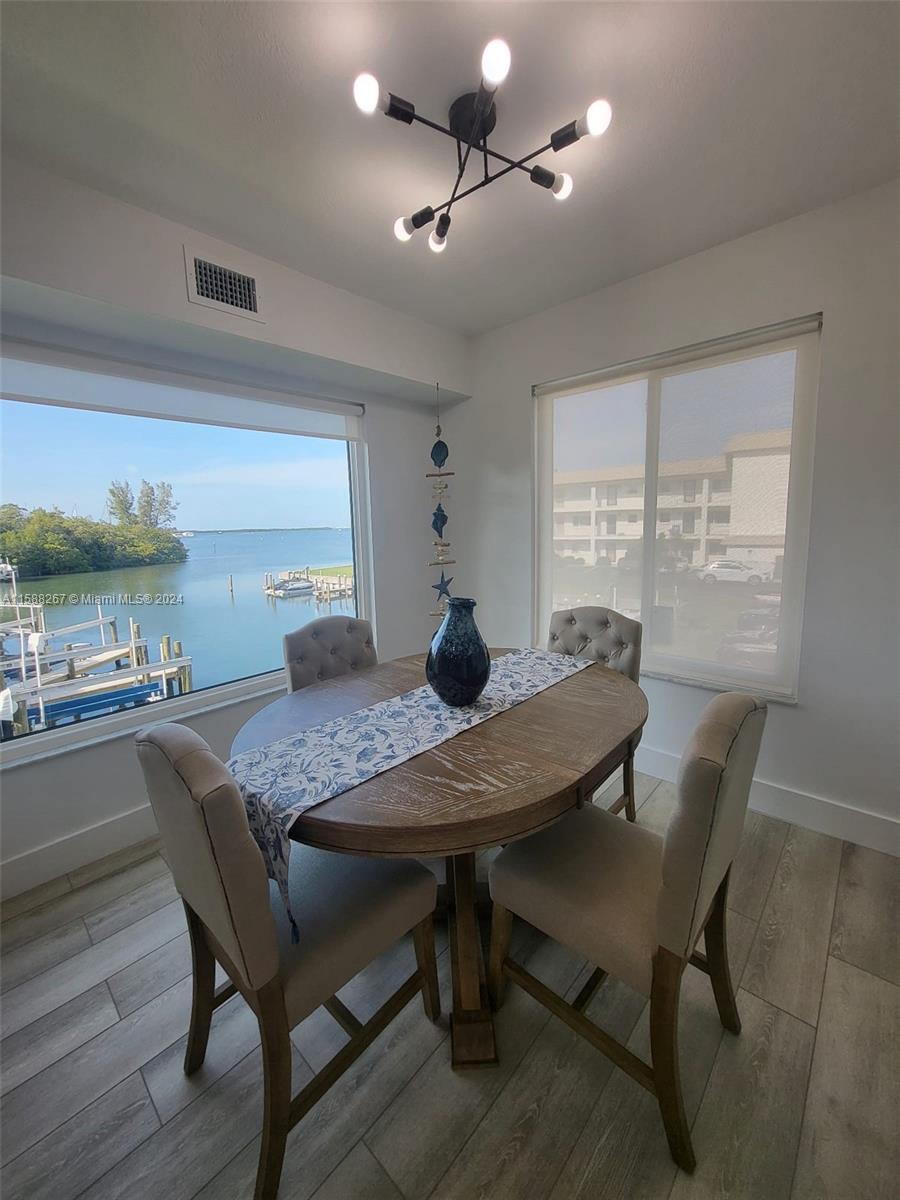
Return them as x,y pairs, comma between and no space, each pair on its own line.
348,911
614,640
326,648
571,880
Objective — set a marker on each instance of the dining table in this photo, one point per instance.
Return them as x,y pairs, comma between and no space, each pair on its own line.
498,781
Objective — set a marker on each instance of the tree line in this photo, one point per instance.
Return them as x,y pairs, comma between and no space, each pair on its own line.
45,541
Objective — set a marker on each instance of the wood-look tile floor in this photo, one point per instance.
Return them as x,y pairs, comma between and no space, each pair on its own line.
804,1105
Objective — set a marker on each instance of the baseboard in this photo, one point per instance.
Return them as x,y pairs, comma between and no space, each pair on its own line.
43,863
874,830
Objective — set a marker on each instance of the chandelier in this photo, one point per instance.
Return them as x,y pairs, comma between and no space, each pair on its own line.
471,120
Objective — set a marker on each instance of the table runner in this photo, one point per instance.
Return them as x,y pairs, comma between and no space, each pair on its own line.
286,777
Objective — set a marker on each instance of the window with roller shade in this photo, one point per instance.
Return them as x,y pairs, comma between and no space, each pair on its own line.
715,444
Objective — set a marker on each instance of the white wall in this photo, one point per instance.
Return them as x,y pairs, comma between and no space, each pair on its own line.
64,811
831,761
61,235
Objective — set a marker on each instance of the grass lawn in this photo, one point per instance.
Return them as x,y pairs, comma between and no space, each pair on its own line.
345,571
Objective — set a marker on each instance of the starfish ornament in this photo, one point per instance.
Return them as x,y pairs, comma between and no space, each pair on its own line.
443,587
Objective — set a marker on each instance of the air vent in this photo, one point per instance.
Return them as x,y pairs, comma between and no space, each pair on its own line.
226,286
215,286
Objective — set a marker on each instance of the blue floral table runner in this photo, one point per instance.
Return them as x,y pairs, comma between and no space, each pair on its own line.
285,778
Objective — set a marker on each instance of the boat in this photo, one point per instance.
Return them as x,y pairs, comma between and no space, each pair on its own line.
293,587
7,572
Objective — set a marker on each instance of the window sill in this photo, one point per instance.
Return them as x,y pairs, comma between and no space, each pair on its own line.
768,694
52,742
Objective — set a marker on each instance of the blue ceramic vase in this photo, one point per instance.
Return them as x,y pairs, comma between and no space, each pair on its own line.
458,664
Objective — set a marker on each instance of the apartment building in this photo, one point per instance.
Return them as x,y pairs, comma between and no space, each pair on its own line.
733,505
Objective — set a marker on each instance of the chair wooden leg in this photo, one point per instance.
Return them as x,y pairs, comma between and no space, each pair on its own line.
667,971
501,933
276,1054
717,957
204,991
423,940
628,780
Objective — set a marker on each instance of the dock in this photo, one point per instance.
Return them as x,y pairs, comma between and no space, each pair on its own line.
47,677
322,588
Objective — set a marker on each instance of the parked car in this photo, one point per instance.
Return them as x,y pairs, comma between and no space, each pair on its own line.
727,569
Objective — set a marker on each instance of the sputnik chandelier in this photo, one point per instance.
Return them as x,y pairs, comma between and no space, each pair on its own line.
471,120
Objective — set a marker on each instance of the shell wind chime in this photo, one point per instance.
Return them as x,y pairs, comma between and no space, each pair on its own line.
441,548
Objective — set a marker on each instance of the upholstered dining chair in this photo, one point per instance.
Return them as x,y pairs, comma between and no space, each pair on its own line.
348,911
326,648
611,639
570,881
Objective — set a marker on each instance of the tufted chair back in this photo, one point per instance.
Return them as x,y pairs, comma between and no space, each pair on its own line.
705,830
217,866
601,634
327,648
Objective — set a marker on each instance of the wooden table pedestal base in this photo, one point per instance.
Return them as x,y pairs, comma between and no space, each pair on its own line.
472,1022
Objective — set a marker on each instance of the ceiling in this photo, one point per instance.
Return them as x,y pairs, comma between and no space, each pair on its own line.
237,119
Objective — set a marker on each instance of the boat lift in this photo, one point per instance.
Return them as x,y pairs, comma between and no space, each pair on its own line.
42,684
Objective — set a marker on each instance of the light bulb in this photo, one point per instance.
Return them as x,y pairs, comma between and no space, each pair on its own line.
598,117
403,229
495,62
562,187
366,92
435,243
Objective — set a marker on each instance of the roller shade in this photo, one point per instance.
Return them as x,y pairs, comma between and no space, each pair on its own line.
44,375
686,354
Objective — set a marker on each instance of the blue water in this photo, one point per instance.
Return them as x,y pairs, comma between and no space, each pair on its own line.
227,636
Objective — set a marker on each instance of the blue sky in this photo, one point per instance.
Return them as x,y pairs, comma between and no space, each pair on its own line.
223,478
700,411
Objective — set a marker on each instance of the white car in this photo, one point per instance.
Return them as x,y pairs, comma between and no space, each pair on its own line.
727,569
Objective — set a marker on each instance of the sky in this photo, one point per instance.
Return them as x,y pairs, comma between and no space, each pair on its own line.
222,478
699,411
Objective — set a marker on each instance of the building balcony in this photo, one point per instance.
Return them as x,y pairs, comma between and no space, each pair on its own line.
585,505
572,531
677,500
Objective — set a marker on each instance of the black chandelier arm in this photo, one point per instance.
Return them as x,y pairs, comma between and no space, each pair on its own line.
474,188
513,165
520,162
482,98
486,149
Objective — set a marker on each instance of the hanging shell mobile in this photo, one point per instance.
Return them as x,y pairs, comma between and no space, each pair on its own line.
440,452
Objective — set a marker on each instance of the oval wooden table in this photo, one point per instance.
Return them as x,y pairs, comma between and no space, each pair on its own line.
508,777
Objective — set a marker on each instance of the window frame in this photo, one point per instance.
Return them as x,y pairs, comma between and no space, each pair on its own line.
803,336
277,413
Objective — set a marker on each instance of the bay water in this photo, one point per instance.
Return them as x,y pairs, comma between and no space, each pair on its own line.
228,635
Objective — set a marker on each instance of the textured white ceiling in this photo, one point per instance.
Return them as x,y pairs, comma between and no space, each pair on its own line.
237,119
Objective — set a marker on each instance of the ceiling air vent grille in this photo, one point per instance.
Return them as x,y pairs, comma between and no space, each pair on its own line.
225,286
